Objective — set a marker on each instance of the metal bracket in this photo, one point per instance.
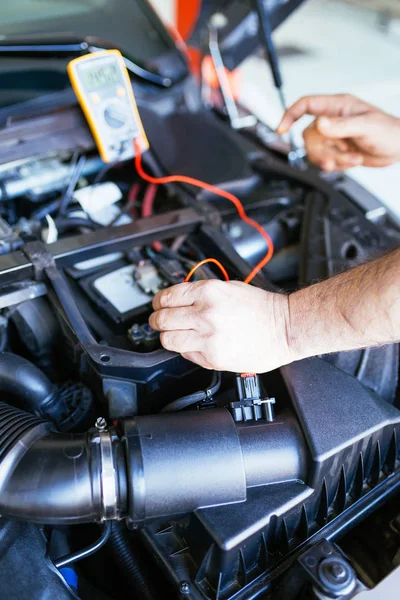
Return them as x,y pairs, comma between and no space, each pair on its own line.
236,121
330,572
66,252
96,362
40,257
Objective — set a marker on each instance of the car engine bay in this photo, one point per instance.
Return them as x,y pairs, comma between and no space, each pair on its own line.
125,469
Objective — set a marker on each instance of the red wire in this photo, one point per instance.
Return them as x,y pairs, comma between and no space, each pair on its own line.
203,262
148,200
214,190
132,197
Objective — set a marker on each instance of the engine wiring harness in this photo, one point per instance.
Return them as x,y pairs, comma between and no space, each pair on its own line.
218,192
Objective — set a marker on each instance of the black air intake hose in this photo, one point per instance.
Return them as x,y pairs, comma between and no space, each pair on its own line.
32,390
68,406
152,466
48,477
178,462
28,386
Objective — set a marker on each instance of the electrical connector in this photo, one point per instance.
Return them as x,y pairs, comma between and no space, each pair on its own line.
143,334
169,268
251,406
147,278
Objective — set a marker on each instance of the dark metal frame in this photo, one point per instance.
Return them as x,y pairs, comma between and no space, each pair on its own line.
66,252
99,365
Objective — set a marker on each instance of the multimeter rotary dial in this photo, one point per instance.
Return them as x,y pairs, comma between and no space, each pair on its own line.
115,115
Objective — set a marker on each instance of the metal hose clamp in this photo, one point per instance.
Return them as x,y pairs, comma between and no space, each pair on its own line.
108,475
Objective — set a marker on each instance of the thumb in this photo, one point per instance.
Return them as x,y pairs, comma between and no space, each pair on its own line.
342,127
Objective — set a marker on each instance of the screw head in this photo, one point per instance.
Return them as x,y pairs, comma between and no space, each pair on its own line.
338,571
184,588
336,575
101,424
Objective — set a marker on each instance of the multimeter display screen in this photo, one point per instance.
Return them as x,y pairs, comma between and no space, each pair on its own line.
97,77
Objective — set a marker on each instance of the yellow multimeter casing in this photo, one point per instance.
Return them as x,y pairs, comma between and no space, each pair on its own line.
102,85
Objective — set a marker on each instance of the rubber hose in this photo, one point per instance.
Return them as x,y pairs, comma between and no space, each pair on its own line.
3,333
55,478
196,397
185,401
29,386
52,478
126,560
66,224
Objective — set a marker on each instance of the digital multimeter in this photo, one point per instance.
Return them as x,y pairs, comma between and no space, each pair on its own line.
103,88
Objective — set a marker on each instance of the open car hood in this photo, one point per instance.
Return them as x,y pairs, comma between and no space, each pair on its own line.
239,37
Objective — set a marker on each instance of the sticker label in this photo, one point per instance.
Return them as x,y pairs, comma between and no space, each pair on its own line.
120,289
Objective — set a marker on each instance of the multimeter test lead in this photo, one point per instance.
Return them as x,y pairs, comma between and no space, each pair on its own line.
103,87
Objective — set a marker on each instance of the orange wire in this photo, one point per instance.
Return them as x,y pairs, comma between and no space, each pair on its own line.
203,262
218,192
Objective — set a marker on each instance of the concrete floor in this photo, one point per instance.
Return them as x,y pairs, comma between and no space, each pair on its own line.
339,48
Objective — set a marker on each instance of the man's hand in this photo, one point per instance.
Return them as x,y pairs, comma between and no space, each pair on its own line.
227,326
347,132
232,326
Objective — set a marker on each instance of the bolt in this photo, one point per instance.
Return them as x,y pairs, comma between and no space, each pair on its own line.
336,575
101,424
235,231
184,588
338,571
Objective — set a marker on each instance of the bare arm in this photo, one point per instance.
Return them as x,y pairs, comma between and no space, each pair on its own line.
356,309
232,326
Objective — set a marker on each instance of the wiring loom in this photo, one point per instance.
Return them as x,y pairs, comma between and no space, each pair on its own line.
218,192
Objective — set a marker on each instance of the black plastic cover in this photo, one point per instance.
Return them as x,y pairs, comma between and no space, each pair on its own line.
167,472
352,437
345,422
182,142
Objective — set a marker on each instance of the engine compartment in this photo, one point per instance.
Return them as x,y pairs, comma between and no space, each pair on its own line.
195,488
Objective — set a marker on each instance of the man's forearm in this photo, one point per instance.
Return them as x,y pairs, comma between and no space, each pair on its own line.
356,309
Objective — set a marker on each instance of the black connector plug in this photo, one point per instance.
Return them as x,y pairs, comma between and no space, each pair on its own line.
251,406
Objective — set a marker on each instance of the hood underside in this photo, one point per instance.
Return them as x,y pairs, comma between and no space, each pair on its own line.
238,38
